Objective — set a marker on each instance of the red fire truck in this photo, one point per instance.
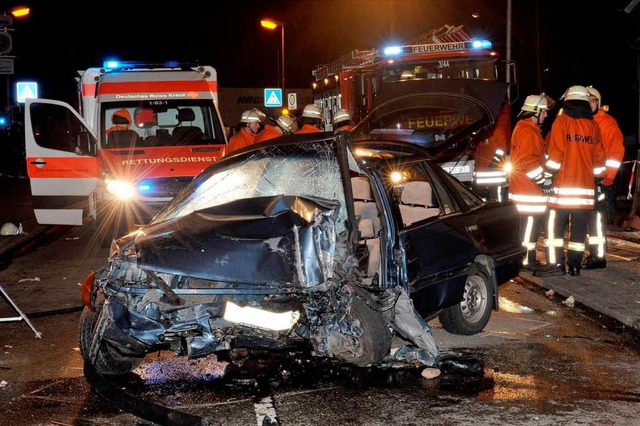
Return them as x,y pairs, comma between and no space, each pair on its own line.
353,81
140,133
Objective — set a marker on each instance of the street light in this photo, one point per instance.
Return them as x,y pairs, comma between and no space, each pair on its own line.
272,24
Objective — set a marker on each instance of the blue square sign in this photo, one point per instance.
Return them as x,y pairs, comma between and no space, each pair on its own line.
273,97
26,90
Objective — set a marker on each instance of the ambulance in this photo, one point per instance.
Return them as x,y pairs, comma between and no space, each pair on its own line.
140,133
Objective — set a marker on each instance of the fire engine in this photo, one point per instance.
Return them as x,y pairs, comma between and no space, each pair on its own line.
140,133
353,81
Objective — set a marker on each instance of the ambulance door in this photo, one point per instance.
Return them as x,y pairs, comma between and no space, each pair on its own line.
62,162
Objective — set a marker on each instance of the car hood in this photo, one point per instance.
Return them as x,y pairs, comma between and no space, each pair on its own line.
274,241
434,114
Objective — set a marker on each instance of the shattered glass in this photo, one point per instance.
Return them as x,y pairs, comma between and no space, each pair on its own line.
306,170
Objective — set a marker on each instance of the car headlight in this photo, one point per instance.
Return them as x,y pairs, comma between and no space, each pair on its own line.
123,190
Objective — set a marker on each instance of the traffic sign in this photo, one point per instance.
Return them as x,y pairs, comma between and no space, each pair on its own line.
273,97
292,101
6,65
25,90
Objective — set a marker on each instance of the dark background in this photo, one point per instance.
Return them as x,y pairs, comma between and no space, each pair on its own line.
555,43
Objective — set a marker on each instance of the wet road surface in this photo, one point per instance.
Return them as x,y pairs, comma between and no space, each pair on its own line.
543,362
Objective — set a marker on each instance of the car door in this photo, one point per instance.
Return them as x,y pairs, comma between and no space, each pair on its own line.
62,162
436,239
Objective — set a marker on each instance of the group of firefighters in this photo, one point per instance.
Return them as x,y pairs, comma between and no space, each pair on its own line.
564,181
255,126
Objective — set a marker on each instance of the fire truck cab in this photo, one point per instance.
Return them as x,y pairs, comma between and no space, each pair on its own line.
354,81
141,132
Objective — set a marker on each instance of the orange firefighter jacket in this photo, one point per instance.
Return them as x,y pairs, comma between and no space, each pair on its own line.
613,141
269,132
241,139
576,156
489,154
308,128
528,161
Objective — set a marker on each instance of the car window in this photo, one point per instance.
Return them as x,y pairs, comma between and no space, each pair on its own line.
416,194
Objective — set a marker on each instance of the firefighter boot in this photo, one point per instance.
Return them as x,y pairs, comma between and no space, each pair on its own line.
550,271
594,263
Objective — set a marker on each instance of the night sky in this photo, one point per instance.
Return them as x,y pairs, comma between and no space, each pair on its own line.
555,43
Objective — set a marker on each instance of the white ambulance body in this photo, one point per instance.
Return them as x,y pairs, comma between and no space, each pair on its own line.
141,134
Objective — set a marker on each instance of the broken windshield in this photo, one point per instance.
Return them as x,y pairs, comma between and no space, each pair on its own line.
309,170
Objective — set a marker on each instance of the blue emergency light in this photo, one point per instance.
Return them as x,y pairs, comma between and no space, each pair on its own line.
481,44
144,187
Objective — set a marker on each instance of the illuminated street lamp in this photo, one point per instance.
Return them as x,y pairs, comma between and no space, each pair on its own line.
20,11
272,24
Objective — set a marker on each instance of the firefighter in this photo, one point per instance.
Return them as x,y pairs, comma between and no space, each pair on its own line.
311,119
251,123
489,176
605,208
121,120
576,156
342,120
527,173
284,126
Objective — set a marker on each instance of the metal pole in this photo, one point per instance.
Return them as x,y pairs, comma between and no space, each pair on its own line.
282,48
508,53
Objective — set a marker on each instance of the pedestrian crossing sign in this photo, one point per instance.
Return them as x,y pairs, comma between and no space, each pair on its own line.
26,90
273,97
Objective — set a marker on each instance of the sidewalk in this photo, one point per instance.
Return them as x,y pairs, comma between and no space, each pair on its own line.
613,291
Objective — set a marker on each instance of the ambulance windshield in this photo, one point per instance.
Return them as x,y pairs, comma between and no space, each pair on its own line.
160,123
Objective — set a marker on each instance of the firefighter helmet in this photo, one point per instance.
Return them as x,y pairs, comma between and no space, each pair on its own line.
10,229
340,116
312,111
535,103
287,124
576,93
594,93
251,115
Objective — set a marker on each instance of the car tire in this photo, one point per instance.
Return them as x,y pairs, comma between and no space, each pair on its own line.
375,338
472,314
109,361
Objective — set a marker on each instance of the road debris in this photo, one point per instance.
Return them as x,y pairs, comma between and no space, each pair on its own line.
569,301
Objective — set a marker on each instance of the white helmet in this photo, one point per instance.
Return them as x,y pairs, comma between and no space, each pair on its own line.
594,93
251,115
341,115
287,124
535,103
312,111
11,229
576,93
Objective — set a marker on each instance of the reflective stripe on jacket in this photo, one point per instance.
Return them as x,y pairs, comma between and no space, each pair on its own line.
577,154
527,161
613,141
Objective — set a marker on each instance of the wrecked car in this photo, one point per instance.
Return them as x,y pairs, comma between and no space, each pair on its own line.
308,242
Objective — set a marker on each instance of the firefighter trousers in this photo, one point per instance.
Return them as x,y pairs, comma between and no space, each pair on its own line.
597,232
530,229
576,221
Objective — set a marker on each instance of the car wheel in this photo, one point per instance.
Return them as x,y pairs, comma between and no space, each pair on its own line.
108,361
472,314
375,339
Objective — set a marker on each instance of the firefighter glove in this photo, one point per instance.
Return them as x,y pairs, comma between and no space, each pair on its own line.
547,187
